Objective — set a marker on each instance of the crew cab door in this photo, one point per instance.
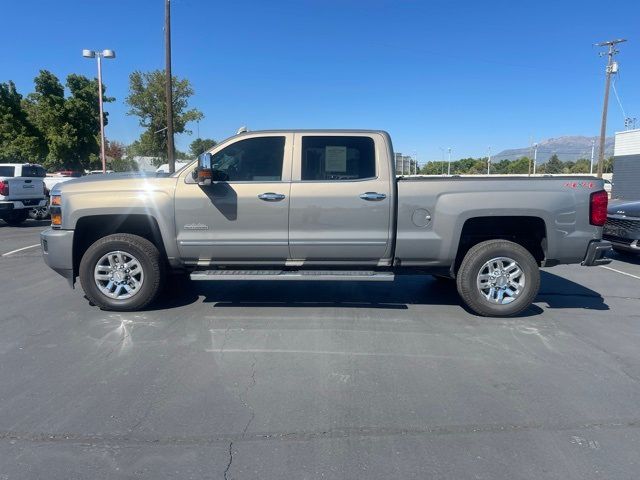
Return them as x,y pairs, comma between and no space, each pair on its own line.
341,198
243,219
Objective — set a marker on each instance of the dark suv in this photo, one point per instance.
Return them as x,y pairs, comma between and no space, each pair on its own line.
623,225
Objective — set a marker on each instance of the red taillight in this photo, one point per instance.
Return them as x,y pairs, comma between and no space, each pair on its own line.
598,208
4,188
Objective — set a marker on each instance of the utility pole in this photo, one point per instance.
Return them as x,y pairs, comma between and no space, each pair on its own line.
612,67
535,157
489,162
593,148
168,88
449,163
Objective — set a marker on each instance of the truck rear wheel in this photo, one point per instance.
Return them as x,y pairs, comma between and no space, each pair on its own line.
16,217
498,278
121,272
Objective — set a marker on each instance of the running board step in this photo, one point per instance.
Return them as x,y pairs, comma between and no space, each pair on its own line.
352,275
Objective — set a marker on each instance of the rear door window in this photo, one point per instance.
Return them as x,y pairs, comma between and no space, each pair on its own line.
337,158
6,171
33,171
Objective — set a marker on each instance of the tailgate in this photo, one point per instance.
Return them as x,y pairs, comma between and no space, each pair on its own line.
24,188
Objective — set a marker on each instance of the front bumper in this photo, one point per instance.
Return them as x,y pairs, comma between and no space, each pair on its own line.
57,251
596,253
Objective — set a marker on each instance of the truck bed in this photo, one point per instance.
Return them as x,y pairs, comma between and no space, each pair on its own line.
433,210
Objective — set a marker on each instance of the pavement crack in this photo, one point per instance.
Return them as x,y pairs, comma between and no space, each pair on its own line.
243,396
226,470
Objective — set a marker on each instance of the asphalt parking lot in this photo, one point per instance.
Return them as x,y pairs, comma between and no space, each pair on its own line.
309,381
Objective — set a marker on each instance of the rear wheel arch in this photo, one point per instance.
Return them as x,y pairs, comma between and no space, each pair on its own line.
529,231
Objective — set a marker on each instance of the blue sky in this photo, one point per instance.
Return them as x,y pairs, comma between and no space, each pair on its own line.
435,74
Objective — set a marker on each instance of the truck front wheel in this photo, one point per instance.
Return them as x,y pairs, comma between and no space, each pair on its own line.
498,278
121,272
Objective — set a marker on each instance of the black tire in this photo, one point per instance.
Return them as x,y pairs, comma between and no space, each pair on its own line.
149,258
16,217
470,268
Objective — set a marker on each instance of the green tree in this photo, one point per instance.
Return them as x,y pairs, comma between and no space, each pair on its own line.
20,140
69,126
201,145
554,165
123,165
519,166
147,101
582,165
114,149
607,167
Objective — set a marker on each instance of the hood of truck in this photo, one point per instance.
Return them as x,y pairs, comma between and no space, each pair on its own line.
109,183
622,208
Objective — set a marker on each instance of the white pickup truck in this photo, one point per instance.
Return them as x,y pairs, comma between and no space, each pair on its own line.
21,190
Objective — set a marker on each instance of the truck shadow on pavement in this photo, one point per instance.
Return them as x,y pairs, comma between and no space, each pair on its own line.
27,224
556,292
629,257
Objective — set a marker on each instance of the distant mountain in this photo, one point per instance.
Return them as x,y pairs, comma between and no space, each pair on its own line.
567,148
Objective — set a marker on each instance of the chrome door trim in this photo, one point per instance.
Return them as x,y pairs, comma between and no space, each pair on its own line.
226,243
271,197
336,243
373,196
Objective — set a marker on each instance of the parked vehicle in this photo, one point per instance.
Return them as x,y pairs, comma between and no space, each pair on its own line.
323,206
623,226
21,189
70,173
50,181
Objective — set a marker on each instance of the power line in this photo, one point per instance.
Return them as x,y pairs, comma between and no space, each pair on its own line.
615,92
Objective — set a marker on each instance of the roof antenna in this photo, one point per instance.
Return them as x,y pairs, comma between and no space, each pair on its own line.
242,129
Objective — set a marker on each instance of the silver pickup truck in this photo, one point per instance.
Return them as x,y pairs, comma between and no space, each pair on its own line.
321,205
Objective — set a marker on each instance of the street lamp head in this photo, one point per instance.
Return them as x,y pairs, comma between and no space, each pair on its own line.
88,53
109,54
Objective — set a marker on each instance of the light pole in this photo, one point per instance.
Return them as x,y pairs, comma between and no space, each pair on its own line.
100,56
449,164
535,157
489,162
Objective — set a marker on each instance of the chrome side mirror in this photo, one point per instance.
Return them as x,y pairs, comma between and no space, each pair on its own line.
204,173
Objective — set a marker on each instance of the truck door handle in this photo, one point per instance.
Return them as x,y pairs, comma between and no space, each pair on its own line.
373,196
271,197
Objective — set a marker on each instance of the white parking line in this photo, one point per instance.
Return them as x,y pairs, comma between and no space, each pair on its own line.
20,249
621,272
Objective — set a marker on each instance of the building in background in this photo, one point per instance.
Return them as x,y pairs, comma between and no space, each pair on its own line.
626,167
406,164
